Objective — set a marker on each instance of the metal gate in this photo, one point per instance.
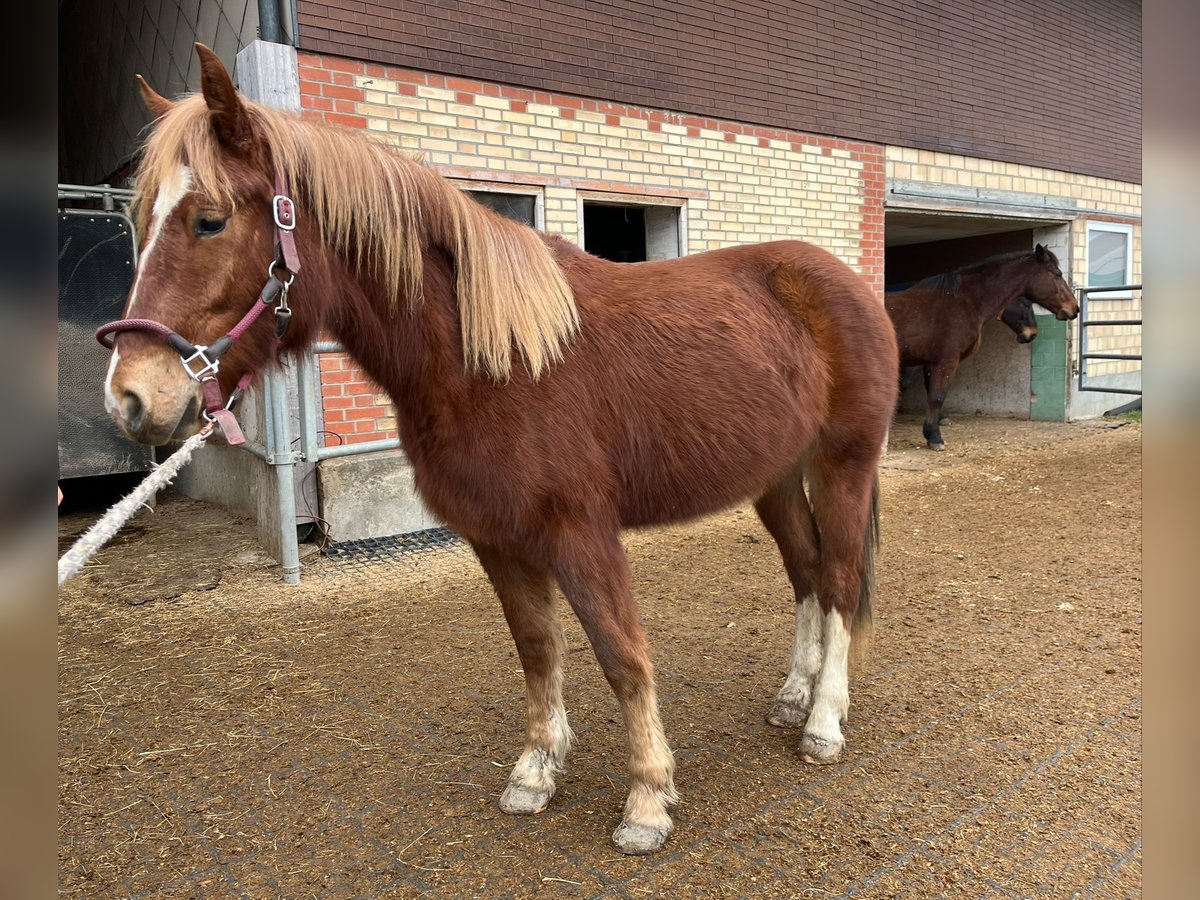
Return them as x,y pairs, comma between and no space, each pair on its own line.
1110,340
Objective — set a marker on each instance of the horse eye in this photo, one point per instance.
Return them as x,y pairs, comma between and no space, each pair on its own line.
208,227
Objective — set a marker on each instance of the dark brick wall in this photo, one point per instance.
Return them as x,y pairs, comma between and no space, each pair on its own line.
1054,82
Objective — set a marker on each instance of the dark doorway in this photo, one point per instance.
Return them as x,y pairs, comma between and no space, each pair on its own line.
615,232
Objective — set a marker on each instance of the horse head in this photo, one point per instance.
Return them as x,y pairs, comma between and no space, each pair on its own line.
204,208
1018,316
1047,287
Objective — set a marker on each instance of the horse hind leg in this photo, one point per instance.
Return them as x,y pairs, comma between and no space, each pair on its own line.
785,512
594,574
845,504
527,596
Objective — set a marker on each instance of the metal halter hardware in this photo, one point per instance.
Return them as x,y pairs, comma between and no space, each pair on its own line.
208,356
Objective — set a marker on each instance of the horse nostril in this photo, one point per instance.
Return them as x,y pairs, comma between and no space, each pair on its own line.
133,410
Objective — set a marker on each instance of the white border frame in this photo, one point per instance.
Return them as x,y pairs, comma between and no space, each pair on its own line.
504,187
1113,228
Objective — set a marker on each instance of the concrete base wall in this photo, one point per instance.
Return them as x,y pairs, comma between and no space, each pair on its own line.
227,476
994,382
1089,404
371,496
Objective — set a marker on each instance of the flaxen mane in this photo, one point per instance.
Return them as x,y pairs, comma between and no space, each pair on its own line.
379,208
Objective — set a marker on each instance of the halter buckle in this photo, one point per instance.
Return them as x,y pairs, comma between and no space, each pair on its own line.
285,212
233,398
208,367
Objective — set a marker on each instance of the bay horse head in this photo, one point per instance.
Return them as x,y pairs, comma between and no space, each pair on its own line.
1018,315
1048,288
205,211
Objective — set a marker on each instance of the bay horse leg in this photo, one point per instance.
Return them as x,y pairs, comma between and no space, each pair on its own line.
843,501
785,512
937,384
593,572
527,595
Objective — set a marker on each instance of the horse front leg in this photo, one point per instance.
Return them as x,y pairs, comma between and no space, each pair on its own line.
594,574
937,384
527,595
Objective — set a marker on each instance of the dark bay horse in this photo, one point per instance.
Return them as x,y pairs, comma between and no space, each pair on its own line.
938,321
545,398
1018,316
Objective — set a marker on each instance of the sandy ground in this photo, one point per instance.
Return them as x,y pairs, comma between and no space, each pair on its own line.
224,735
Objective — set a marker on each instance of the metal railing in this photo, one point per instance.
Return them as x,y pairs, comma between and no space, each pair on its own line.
1086,322
310,444
278,452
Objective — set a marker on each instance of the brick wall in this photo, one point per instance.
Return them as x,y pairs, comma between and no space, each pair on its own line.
1056,84
737,183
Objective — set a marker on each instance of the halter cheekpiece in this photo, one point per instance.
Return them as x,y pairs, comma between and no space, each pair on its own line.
203,362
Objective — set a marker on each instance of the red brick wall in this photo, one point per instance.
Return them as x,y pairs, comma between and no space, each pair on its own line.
1055,84
355,408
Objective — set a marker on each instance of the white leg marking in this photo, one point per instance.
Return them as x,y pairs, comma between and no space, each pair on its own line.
646,824
531,784
823,741
170,192
795,697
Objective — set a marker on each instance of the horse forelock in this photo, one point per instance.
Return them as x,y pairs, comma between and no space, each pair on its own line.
379,208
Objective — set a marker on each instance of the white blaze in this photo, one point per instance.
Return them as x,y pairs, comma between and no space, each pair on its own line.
173,189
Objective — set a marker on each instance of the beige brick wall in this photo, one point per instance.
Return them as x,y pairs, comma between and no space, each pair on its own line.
740,184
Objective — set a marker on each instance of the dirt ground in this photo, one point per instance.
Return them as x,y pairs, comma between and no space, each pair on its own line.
225,735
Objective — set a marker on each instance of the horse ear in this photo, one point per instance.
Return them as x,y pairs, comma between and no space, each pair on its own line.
158,105
1041,254
225,107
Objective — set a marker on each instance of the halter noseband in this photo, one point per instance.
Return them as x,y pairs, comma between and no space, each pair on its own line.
201,362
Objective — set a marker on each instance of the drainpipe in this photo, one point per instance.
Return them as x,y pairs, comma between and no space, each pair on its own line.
269,27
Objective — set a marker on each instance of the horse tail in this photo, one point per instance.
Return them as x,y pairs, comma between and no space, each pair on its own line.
863,626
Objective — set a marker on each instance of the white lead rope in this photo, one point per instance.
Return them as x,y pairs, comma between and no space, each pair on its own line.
113,520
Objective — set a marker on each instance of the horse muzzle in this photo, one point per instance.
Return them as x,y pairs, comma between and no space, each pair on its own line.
155,416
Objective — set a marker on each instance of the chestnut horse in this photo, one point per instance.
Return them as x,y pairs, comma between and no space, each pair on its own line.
939,320
545,398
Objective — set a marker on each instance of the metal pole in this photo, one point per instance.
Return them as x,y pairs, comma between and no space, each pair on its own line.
306,382
284,464
355,449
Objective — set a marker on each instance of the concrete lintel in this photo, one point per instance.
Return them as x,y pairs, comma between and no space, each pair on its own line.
966,200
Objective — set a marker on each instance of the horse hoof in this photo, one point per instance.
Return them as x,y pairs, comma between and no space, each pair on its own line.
933,446
942,422
519,800
787,714
638,840
820,752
